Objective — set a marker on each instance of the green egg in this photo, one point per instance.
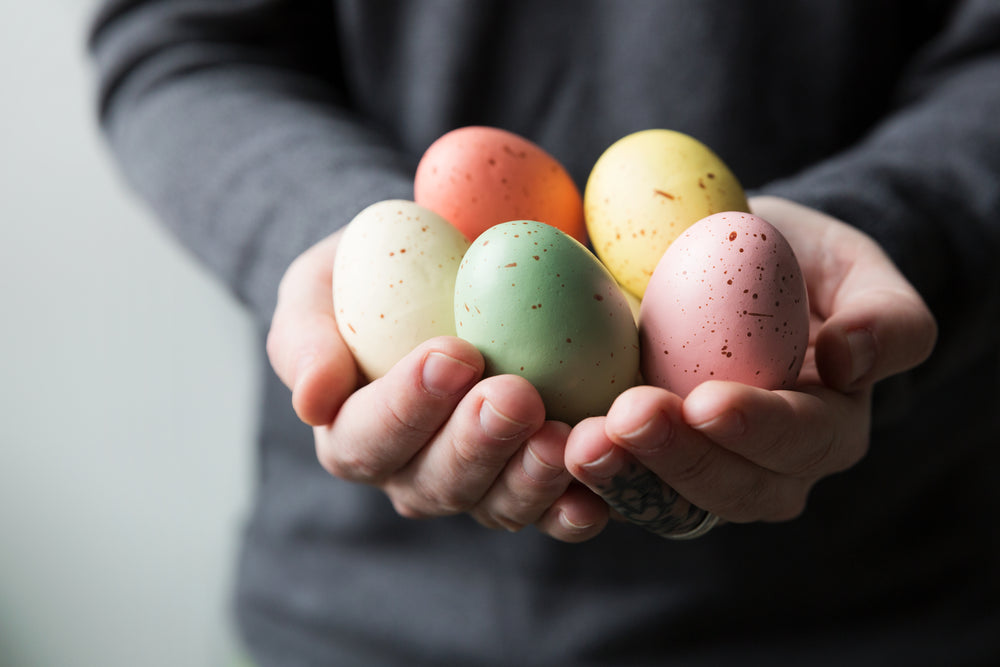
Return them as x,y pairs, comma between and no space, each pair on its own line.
538,304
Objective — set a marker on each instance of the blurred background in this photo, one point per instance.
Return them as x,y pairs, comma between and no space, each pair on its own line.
127,395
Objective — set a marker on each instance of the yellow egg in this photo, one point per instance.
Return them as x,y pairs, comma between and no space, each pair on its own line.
644,191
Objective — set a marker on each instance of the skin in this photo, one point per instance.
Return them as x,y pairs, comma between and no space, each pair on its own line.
440,440
434,435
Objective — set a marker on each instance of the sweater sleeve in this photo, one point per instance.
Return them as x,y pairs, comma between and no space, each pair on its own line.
230,121
925,183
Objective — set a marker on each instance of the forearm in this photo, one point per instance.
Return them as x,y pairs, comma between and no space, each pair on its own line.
240,143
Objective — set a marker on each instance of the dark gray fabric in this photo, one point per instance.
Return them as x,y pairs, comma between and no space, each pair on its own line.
256,127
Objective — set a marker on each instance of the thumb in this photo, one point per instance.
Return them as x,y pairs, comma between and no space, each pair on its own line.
304,346
876,332
875,324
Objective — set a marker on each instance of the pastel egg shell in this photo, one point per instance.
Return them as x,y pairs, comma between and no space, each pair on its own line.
726,302
644,191
537,303
476,177
394,282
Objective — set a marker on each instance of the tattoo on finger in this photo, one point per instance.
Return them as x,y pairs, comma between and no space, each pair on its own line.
643,499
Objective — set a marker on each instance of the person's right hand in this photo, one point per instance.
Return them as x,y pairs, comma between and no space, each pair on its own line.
433,435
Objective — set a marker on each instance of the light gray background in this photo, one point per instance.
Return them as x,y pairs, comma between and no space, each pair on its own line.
126,389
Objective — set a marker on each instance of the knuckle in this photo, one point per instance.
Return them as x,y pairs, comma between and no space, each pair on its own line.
521,510
698,469
398,423
745,502
479,459
407,510
497,522
791,504
345,464
818,459
439,499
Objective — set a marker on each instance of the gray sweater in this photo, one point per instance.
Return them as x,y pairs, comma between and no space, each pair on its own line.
255,128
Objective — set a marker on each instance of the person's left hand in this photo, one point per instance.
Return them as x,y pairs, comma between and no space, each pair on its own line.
747,454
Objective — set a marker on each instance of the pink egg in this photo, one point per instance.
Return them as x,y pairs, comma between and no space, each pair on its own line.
478,177
727,301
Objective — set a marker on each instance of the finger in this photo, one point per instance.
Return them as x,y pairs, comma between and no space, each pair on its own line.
632,492
874,334
876,324
459,465
665,466
532,480
385,423
807,434
304,346
576,516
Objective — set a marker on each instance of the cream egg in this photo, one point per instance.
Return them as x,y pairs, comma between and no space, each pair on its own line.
394,282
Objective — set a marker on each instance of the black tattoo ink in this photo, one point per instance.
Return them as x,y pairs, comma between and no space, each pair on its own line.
643,499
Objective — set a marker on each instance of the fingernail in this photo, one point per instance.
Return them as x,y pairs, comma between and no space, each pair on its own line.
498,425
445,376
537,469
861,343
605,467
650,437
569,524
728,424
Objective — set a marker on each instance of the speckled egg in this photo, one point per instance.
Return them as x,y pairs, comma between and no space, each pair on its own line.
477,177
644,191
539,304
394,282
726,302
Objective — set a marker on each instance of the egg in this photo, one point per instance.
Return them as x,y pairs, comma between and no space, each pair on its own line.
538,304
644,191
477,177
394,282
727,301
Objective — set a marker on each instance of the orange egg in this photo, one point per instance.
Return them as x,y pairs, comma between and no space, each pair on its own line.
478,177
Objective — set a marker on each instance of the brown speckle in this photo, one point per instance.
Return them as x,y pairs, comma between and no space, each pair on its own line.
663,194
732,236
511,265
598,297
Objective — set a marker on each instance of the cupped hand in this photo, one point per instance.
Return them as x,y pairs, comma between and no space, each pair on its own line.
434,435
747,454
